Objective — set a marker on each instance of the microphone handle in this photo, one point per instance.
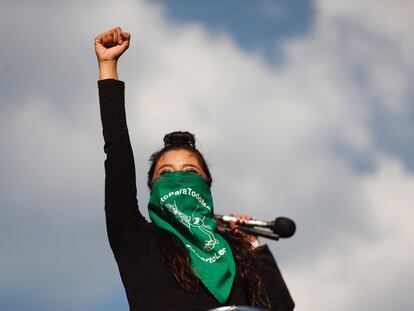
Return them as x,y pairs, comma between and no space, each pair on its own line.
250,223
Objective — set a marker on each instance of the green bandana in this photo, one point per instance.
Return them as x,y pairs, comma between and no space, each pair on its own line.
181,203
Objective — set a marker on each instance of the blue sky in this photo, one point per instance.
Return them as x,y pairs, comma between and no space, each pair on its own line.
312,98
257,26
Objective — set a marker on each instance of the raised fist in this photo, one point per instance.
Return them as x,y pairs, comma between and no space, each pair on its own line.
111,45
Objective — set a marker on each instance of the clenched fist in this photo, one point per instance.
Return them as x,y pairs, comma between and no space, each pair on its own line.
110,45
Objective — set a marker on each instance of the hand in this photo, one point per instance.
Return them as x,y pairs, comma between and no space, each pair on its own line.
242,218
110,45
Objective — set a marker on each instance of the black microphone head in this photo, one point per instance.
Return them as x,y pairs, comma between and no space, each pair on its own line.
284,227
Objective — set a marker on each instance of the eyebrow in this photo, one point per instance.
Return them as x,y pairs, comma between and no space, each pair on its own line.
185,165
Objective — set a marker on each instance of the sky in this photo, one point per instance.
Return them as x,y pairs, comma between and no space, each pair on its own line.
302,108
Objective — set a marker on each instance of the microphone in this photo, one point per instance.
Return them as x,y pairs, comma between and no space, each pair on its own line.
281,227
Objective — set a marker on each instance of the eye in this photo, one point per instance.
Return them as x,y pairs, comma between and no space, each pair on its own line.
164,172
192,170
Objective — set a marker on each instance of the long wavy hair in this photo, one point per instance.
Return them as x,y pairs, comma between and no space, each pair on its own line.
176,256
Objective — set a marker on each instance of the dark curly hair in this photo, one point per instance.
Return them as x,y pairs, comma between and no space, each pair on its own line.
175,255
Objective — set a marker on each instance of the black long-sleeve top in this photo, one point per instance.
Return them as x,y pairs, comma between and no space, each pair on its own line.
148,282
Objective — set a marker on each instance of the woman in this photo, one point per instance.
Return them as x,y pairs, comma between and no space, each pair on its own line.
179,261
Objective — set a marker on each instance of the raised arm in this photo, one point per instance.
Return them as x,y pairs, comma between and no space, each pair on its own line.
121,208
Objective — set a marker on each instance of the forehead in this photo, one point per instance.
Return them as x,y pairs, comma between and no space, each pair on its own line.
178,157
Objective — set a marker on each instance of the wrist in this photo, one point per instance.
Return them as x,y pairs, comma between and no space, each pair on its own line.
108,62
108,69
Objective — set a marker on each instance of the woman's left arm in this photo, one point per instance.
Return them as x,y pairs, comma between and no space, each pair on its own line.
276,291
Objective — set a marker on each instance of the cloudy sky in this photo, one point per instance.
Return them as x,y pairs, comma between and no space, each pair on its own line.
302,108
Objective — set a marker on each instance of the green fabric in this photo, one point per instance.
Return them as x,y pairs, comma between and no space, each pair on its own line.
181,203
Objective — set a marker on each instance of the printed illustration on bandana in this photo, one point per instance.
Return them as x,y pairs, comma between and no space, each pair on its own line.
181,203
192,223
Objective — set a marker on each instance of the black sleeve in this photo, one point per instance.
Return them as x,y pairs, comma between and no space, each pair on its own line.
121,205
275,287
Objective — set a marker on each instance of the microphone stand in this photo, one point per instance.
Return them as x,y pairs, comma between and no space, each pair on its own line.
259,232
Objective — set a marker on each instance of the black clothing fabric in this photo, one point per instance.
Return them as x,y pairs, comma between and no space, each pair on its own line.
148,282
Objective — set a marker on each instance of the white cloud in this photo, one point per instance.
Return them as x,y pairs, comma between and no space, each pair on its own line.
369,272
269,134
